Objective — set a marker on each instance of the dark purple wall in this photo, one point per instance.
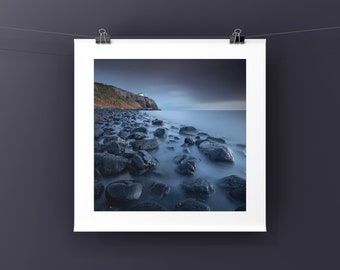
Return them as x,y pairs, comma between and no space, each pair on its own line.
36,145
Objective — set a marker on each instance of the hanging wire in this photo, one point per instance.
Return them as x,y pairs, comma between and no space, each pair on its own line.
91,36
295,32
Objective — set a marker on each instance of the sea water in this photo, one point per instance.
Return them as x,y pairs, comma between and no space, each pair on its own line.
229,125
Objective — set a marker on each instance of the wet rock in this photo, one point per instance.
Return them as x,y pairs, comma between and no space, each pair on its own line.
146,144
188,130
115,148
114,138
235,186
192,205
198,186
99,148
123,191
189,141
187,165
218,140
157,122
148,206
161,133
98,191
170,148
98,131
142,162
137,136
109,164
159,189
216,151
176,138
128,154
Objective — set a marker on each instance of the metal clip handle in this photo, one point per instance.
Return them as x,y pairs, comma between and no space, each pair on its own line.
103,38
236,37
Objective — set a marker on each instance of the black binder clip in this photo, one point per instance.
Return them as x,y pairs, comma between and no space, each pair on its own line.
236,37
103,38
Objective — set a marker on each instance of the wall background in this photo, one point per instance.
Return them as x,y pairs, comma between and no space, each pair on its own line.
36,145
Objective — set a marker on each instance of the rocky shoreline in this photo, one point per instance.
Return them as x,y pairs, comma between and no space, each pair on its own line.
147,164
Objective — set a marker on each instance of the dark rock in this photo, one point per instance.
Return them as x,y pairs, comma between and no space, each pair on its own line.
140,129
128,154
176,138
161,133
123,191
148,206
216,151
235,186
99,148
157,122
189,141
137,136
187,165
170,148
115,148
109,164
98,191
159,189
218,140
142,162
98,131
192,205
147,144
123,134
199,141
198,186
188,130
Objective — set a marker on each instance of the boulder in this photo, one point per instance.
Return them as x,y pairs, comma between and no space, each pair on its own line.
192,205
189,141
148,206
186,165
157,122
161,133
198,186
188,130
159,189
123,191
99,148
109,164
115,148
142,162
146,144
98,131
216,151
235,187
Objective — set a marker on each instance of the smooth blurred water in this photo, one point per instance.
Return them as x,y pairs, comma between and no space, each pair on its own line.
228,124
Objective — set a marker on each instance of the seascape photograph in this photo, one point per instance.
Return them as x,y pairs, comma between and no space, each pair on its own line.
170,135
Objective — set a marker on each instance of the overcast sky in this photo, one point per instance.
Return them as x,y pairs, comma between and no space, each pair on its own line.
180,84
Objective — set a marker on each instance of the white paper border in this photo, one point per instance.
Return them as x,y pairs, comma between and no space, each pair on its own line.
88,220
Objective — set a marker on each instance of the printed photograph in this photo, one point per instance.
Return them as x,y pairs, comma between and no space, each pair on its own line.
170,135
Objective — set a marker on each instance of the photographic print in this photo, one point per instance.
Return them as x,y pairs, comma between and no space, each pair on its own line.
169,135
